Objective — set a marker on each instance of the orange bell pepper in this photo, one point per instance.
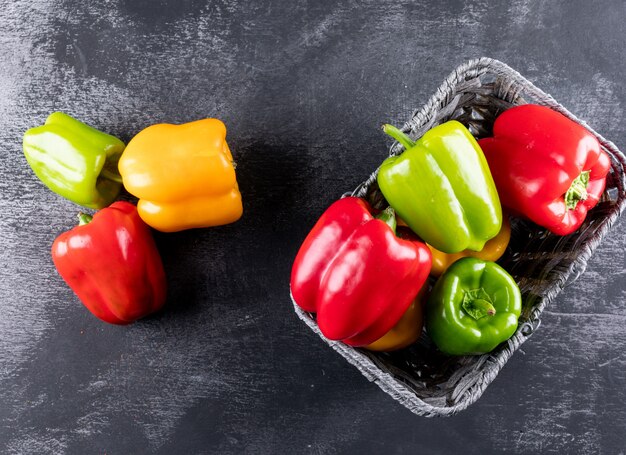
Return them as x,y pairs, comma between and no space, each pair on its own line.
407,330
492,251
183,175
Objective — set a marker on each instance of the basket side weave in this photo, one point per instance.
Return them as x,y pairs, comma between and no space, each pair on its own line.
434,385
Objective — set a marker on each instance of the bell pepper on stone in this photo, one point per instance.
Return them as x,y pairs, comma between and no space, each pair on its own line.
492,251
473,307
442,188
358,275
183,175
75,160
112,264
547,168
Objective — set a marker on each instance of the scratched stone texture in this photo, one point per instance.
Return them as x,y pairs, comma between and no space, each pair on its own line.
302,86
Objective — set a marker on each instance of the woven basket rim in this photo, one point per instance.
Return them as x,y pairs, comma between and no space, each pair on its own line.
398,390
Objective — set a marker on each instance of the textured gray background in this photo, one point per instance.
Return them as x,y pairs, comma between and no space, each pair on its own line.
302,87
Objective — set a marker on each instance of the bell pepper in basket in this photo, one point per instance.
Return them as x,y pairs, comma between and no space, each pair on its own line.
473,307
183,175
406,331
357,275
547,167
442,188
492,251
111,262
75,160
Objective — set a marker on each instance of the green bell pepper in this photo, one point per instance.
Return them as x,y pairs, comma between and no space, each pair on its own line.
75,160
474,306
442,188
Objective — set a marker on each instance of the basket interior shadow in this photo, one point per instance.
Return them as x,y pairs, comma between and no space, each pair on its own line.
424,380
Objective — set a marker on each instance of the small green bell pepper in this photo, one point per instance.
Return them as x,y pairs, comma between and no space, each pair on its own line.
474,306
442,188
75,160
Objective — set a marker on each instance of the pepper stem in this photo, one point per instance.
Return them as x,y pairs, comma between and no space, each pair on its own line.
388,216
577,191
111,175
84,218
399,136
477,304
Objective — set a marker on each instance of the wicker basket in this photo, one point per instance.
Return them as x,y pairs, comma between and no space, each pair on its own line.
425,381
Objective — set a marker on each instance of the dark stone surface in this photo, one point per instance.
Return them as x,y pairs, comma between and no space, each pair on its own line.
302,86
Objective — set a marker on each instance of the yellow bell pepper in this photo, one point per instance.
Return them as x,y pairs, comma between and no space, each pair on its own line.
183,175
492,251
407,330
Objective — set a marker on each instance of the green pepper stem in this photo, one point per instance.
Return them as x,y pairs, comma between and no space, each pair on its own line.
477,304
388,216
84,218
577,191
111,175
399,136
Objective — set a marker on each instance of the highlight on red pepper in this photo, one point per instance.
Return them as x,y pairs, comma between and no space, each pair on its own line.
75,160
112,264
547,168
357,274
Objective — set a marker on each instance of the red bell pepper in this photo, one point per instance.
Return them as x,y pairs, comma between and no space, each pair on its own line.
356,274
112,264
546,167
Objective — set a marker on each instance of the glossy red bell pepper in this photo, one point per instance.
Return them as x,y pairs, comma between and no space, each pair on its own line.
112,264
547,167
356,274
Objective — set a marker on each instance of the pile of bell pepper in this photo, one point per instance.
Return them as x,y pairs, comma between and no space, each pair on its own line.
365,273
184,177
373,278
